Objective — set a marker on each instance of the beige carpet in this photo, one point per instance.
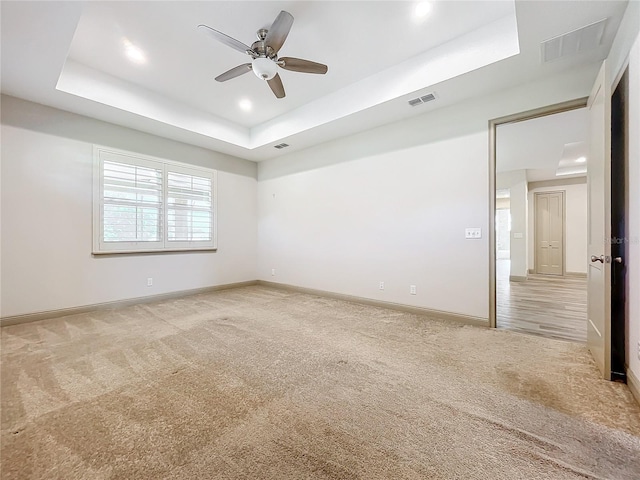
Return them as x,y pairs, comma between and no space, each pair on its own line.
259,383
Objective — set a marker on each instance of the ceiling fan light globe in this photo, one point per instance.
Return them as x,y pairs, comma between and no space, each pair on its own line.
264,68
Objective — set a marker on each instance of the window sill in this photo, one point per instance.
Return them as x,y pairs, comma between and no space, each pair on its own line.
150,252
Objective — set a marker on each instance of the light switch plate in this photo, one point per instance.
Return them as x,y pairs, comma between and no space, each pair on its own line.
473,233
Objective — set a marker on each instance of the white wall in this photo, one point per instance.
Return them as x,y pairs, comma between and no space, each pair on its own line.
47,216
368,208
347,227
575,197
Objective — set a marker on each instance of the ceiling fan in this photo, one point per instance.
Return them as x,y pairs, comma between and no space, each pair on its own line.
264,53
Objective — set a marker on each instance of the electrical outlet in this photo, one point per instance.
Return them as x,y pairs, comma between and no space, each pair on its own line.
473,233
149,282
273,272
381,285
412,289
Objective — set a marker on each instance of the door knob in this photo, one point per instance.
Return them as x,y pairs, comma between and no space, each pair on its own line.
618,259
597,259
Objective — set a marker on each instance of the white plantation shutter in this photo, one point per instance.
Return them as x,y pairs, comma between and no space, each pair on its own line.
189,207
148,204
132,207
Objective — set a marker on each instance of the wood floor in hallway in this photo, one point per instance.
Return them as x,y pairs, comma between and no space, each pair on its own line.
545,305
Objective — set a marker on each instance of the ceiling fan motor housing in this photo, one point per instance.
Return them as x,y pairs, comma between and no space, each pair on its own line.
262,49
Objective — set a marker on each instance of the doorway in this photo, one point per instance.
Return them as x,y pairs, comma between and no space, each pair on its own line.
535,289
608,207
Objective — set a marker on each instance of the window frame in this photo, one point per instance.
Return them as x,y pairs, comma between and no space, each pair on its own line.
164,245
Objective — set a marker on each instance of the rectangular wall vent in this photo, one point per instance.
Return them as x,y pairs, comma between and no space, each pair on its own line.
580,40
423,99
280,146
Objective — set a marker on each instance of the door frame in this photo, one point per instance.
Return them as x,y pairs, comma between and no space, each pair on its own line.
493,125
564,230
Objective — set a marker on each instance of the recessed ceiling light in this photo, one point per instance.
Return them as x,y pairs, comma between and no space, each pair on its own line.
245,104
421,10
133,53
581,159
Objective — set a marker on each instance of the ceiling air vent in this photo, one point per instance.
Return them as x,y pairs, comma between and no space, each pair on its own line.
423,99
280,146
577,41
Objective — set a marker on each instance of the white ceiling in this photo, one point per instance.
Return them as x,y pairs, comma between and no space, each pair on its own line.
542,145
183,62
70,55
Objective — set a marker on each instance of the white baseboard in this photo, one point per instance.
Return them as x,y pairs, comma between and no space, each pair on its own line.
454,317
63,312
36,316
576,274
567,274
516,278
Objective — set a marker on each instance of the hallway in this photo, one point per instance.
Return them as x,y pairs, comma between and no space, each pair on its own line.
544,305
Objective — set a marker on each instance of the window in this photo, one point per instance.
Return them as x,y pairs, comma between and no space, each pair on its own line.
146,204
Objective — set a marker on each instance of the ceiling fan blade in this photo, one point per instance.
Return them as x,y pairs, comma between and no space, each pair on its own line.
234,72
304,66
226,39
279,30
276,86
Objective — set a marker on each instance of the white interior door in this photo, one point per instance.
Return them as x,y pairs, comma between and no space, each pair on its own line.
549,233
599,224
